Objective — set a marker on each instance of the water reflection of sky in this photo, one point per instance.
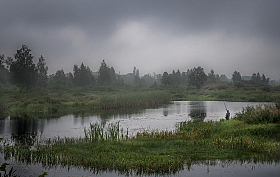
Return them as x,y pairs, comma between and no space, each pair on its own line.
162,118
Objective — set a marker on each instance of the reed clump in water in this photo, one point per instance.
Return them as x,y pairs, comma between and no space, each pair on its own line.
98,132
110,148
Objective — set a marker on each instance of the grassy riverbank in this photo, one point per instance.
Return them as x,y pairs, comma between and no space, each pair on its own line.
77,99
57,101
228,92
253,135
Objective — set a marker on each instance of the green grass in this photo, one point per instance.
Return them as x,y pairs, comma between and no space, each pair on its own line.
110,148
257,115
226,92
91,99
57,101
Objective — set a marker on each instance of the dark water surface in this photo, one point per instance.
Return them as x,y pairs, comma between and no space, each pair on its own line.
212,169
162,118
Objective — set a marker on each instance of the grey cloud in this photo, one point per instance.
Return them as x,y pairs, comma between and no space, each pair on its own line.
66,28
185,16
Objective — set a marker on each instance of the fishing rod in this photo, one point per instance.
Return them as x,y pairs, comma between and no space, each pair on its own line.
225,105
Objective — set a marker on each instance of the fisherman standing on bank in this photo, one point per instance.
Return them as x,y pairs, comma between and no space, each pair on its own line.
227,115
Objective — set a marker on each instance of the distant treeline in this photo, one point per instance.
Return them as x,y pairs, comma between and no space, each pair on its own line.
22,72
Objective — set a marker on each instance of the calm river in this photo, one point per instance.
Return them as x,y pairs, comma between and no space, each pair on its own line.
162,118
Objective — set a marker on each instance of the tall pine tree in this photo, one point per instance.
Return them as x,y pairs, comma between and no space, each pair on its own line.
104,77
82,76
42,72
23,70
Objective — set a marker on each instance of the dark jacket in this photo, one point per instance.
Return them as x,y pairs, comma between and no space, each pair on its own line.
227,115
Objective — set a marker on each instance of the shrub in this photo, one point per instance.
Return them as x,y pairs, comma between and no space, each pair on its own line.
266,89
253,99
276,88
222,87
239,84
259,115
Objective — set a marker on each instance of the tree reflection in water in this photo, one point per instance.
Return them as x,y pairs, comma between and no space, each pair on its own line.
197,110
24,130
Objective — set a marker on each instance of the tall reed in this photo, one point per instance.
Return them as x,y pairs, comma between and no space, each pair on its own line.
98,132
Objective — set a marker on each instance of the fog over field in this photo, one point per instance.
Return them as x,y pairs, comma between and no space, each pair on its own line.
154,36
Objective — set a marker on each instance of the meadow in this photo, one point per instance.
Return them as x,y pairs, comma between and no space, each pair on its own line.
52,101
252,135
234,92
57,101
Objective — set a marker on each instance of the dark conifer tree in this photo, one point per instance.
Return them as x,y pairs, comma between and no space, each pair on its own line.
164,78
4,73
197,77
104,77
258,78
42,72
178,77
82,76
112,74
23,70
236,76
211,76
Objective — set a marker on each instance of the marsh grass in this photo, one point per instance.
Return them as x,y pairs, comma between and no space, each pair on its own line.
3,169
54,101
49,100
110,148
229,92
133,100
98,132
262,114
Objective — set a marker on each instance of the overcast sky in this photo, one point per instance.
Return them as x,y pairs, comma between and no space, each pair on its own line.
154,36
